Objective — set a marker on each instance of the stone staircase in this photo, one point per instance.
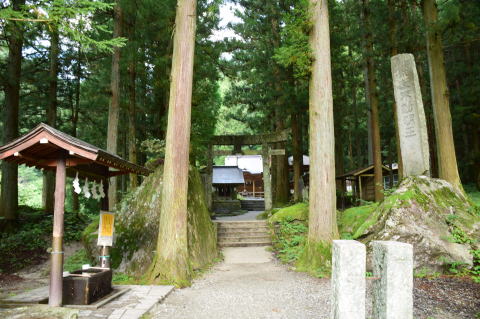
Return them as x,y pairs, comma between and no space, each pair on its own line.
253,204
243,233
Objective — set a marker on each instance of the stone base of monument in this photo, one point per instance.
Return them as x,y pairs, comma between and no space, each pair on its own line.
425,212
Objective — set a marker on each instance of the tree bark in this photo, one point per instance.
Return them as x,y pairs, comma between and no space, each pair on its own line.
9,196
447,161
392,26
132,76
171,262
114,108
75,110
297,156
322,209
371,83
279,162
48,190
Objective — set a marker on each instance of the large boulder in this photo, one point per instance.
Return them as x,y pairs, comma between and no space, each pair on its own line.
136,227
436,218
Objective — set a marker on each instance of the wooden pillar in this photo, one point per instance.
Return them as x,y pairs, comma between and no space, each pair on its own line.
105,258
267,178
360,186
253,189
56,273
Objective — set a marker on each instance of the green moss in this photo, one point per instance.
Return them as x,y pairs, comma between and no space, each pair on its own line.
316,259
295,212
350,220
136,229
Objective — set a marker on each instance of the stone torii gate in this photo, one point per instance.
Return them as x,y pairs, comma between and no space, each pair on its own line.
238,141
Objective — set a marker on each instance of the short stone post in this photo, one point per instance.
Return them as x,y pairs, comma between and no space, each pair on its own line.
393,288
348,279
412,125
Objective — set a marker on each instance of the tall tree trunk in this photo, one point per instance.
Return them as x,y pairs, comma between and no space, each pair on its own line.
279,162
447,160
75,110
114,109
322,209
358,149
297,155
371,83
132,76
430,122
392,26
9,196
171,262
48,190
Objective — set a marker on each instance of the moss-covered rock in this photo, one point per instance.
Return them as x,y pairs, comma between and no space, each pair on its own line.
351,220
136,227
433,216
295,212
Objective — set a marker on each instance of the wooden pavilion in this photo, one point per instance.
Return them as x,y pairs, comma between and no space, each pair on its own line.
47,148
361,181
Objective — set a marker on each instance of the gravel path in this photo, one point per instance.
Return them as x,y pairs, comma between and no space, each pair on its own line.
250,283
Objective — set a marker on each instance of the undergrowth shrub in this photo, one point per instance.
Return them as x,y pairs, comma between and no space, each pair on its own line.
289,239
29,243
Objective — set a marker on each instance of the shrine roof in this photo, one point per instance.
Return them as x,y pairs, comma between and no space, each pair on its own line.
43,145
227,175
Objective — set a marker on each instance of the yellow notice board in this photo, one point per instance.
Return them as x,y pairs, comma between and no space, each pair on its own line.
105,229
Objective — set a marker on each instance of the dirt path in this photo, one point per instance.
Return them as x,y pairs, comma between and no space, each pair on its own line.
249,284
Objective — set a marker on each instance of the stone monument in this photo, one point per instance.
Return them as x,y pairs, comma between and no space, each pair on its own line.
410,116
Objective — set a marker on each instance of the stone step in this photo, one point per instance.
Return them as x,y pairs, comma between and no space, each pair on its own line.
253,239
242,224
253,209
242,233
243,244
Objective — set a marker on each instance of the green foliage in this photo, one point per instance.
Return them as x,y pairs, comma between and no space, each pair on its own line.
425,273
72,19
76,261
289,239
296,51
30,183
29,243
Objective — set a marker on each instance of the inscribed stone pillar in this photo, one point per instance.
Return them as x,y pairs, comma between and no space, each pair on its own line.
393,288
412,125
267,178
348,279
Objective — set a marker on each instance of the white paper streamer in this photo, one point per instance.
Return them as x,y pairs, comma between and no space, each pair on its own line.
101,190
76,185
86,191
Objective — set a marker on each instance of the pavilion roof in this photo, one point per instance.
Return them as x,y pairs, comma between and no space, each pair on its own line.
362,170
43,145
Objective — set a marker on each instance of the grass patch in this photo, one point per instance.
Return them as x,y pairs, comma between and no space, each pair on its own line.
474,195
76,261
